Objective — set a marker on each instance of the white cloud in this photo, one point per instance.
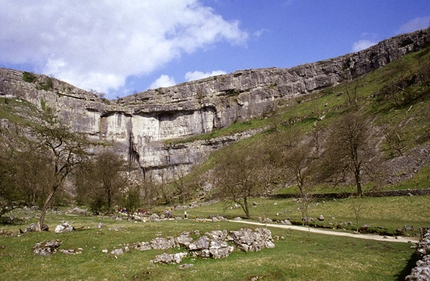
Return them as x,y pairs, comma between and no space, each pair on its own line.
415,24
362,44
163,81
98,44
196,75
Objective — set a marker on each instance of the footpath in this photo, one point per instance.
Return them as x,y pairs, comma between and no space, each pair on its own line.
398,239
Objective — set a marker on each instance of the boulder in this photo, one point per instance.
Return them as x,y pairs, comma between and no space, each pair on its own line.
65,227
154,218
117,252
201,243
248,240
161,243
220,249
184,239
217,234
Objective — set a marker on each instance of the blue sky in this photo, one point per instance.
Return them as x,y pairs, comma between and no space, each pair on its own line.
120,47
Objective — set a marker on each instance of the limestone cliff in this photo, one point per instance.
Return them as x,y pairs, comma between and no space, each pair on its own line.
139,125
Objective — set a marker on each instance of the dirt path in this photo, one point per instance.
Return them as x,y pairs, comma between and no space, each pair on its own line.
399,239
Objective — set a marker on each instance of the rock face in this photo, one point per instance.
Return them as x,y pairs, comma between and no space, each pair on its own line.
139,125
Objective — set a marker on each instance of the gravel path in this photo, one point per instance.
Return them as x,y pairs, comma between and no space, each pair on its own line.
399,239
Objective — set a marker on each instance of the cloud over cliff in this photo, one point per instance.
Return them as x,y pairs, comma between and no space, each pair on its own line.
98,44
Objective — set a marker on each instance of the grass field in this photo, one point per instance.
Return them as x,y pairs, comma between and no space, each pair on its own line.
296,256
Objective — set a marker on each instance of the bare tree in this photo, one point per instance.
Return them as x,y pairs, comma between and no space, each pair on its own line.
238,176
65,149
349,150
102,180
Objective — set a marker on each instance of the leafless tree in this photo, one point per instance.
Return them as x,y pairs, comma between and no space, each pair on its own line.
349,150
238,176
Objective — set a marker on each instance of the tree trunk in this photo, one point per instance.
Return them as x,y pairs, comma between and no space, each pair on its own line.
246,208
44,209
358,183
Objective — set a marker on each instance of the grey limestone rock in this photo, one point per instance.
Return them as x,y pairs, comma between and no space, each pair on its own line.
170,258
46,248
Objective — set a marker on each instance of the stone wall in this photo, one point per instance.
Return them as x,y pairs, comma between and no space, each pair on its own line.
421,272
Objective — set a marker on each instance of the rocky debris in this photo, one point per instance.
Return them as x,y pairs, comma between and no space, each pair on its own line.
421,271
33,228
117,252
142,246
161,243
46,248
154,218
201,243
184,239
218,249
185,266
65,227
71,251
218,218
248,240
286,222
217,234
170,258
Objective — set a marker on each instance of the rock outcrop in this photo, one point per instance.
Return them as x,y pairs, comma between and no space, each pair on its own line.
139,125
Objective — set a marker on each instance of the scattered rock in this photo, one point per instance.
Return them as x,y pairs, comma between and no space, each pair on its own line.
220,249
185,266
71,251
287,222
248,240
160,243
117,252
142,246
170,258
65,227
46,248
321,218
200,244
33,228
154,218
184,239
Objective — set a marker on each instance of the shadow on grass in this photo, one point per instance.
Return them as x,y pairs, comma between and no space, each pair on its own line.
407,270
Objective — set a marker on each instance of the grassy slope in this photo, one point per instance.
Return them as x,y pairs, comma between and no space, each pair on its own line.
298,256
409,119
